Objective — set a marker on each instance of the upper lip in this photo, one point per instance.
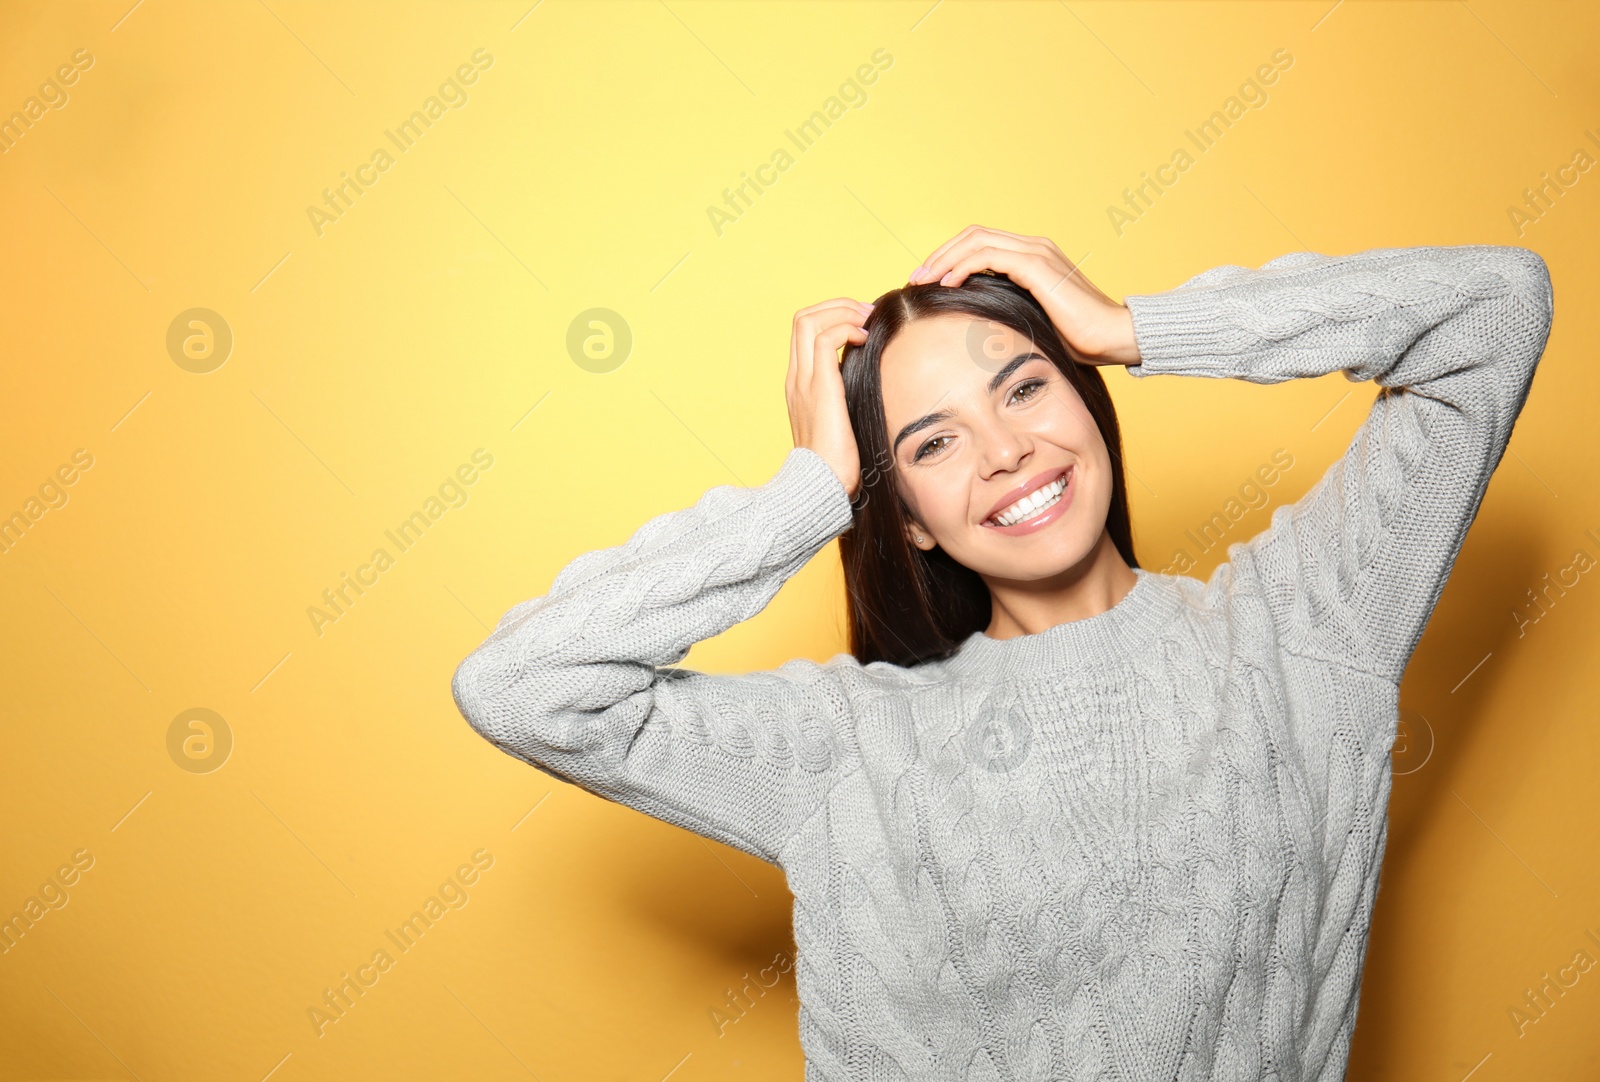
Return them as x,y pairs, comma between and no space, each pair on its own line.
1038,482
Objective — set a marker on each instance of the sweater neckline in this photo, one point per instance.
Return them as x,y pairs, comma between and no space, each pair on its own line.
1106,637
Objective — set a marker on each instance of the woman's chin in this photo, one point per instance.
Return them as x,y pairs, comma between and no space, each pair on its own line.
1044,555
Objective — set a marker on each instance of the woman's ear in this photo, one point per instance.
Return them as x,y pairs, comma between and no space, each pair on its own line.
918,536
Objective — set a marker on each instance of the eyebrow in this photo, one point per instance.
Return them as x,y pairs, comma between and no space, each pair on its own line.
929,419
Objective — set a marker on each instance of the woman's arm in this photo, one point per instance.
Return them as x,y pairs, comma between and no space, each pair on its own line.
573,682
1452,335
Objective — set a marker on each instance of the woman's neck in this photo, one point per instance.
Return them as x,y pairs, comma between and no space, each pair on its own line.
1092,586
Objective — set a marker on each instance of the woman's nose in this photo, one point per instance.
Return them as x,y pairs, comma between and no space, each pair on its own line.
1002,448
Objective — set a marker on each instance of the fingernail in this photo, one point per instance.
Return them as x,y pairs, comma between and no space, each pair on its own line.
915,273
946,279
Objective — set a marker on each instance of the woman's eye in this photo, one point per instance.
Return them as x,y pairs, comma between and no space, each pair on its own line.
1032,386
1027,390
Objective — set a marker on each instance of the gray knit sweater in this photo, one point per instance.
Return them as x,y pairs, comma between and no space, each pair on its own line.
1140,846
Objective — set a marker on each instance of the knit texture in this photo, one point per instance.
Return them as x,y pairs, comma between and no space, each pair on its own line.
1140,846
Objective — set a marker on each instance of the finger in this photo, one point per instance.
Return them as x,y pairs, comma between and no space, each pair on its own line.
790,377
822,315
836,302
809,321
1006,261
825,350
987,239
831,339
804,331
813,320
919,275
972,237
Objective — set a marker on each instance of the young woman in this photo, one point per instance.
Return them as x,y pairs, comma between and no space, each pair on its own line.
1055,816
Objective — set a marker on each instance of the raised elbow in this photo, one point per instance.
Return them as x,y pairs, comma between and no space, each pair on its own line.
480,690
1523,315
528,710
1530,278
464,689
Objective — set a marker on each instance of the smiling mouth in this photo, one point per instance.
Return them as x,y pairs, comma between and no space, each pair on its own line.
1032,505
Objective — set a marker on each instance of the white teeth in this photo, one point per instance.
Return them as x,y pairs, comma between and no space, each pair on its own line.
1033,503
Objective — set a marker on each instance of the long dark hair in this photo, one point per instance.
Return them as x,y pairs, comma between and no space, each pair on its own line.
905,605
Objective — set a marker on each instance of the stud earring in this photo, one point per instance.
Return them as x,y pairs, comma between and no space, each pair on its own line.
919,539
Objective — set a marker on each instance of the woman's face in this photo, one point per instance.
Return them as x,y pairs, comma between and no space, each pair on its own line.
977,419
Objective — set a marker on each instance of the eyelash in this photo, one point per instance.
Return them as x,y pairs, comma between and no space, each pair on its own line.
1031,383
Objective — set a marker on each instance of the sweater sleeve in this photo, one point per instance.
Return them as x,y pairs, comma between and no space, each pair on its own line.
575,684
1452,336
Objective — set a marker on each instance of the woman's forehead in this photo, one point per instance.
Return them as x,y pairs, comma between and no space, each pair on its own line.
946,353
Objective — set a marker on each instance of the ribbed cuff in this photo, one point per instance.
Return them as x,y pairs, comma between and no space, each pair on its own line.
1182,332
807,500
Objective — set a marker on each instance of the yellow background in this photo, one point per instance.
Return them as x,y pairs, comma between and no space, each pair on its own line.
371,360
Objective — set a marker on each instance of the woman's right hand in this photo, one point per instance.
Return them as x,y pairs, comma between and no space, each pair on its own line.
815,388
1096,329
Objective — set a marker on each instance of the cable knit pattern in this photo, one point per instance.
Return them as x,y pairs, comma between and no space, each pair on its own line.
1141,846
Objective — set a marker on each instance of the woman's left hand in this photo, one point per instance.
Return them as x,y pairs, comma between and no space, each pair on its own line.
1096,329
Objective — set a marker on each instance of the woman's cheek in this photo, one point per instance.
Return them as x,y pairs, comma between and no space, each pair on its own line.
951,508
